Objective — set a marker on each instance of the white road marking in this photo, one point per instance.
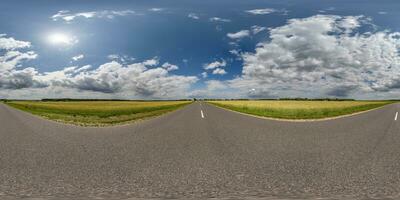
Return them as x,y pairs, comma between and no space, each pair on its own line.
395,117
202,115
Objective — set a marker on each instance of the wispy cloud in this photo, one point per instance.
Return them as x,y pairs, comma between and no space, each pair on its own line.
78,57
239,35
67,16
121,58
262,11
217,19
156,9
257,29
193,16
245,33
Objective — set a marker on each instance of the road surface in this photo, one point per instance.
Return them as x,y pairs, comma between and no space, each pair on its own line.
201,151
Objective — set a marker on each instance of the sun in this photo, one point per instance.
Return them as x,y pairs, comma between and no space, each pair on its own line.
61,39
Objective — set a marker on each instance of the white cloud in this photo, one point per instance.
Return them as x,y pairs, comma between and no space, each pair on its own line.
135,80
325,61
219,71
10,43
216,67
235,52
78,57
215,85
349,23
151,62
193,16
245,33
204,74
215,64
257,29
382,12
17,79
217,19
214,89
239,35
67,16
12,59
156,9
113,56
121,58
263,11
12,54
169,67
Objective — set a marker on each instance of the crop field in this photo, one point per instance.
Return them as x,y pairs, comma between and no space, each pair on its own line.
97,113
299,109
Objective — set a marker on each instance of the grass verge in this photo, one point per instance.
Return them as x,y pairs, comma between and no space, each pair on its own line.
97,113
299,110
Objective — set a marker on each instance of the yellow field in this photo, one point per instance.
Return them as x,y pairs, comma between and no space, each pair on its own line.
97,112
297,104
299,109
97,105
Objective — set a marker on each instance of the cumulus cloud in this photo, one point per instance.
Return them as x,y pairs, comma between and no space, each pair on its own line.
335,59
67,16
239,35
262,11
219,71
217,19
12,59
78,57
193,16
138,79
215,64
12,54
18,79
10,43
134,80
216,67
169,67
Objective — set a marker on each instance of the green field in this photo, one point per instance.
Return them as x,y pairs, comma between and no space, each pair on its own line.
97,113
299,109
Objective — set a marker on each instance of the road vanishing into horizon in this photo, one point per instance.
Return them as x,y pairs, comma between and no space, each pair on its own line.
202,152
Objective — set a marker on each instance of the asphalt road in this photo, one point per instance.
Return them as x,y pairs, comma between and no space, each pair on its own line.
202,151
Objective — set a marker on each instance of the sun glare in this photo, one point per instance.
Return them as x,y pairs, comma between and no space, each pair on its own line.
61,39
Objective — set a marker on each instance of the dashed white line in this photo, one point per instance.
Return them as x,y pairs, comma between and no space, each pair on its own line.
202,115
395,117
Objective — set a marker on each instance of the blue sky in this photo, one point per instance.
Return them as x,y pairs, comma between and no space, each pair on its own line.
177,49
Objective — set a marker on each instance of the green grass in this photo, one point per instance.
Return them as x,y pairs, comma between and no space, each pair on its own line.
97,113
299,109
